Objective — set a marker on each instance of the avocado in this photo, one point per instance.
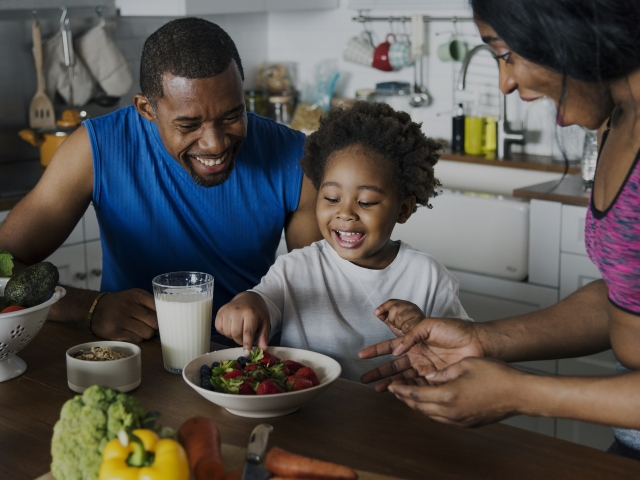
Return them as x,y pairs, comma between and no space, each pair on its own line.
32,286
4,303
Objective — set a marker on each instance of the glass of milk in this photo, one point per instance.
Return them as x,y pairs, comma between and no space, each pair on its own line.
183,305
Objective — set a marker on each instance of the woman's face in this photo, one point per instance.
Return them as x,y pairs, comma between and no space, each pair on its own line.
586,104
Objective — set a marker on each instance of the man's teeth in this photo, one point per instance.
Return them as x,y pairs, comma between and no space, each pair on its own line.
212,162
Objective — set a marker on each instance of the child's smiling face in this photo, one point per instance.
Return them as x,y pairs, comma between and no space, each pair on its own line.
358,206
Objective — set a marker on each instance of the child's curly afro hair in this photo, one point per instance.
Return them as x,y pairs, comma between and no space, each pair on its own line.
379,128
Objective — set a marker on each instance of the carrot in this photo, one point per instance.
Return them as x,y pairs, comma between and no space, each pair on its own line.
233,475
287,464
201,440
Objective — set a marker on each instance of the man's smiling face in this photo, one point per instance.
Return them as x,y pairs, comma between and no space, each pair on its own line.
202,123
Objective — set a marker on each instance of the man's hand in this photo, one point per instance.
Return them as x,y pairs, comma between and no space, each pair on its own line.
470,393
431,345
243,318
128,316
399,315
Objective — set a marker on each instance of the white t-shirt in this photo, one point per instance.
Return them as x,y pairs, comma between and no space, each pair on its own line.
323,303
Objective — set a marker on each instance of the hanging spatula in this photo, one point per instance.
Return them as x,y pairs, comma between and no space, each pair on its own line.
41,112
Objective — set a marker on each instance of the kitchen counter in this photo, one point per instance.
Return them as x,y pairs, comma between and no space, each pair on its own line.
519,160
570,191
349,423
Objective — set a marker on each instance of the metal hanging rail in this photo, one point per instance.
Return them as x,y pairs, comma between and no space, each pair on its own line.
426,18
54,13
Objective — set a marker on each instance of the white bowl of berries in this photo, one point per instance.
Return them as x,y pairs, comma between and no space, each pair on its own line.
266,384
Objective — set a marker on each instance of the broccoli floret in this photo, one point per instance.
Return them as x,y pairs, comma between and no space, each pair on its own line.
87,423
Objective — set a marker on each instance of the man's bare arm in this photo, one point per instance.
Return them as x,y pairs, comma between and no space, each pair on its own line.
43,220
301,228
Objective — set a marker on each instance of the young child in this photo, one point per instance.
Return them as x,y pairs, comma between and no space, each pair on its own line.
371,165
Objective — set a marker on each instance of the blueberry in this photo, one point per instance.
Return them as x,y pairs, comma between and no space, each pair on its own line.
218,389
242,361
215,364
204,369
206,383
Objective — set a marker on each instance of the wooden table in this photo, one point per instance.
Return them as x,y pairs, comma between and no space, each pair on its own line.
349,423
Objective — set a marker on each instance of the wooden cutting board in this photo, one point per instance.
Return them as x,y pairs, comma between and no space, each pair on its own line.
233,459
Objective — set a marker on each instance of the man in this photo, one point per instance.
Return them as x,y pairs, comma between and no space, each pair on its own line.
184,179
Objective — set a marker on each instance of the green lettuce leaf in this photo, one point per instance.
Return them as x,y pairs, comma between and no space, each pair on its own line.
6,264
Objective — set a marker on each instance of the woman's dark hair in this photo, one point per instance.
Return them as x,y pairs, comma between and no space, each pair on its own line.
379,128
589,40
186,47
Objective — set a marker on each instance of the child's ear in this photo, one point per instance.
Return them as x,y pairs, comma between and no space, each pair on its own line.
407,208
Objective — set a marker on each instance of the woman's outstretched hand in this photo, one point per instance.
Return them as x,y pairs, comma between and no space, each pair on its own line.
470,393
430,344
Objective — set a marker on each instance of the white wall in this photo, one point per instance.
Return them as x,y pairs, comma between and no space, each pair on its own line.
310,37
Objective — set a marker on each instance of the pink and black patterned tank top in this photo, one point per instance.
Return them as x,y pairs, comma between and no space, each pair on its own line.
612,238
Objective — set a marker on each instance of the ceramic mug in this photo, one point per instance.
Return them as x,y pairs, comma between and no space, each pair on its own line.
359,50
400,54
453,50
381,55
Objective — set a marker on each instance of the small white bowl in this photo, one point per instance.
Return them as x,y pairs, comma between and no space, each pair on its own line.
264,406
123,374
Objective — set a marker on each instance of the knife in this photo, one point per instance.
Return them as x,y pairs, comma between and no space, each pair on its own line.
253,470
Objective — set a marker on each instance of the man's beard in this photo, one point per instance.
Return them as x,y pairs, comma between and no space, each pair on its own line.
214,182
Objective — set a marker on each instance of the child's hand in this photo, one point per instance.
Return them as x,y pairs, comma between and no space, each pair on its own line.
244,318
399,315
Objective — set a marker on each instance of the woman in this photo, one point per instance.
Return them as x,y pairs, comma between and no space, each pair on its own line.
585,55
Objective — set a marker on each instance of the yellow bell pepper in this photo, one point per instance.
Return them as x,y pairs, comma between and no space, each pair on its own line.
143,456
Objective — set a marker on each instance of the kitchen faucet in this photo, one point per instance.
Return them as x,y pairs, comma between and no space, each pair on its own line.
506,136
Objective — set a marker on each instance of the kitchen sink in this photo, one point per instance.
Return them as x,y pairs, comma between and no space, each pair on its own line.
497,180
476,225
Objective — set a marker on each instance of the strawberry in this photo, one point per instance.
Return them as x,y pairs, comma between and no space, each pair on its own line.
268,387
233,374
267,359
246,388
279,367
293,366
251,368
226,367
295,382
308,372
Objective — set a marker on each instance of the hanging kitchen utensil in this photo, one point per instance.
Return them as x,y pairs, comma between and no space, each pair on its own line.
41,112
419,98
423,89
67,46
416,100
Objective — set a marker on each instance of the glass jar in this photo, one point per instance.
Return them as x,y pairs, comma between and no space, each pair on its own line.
281,108
256,102
589,159
366,94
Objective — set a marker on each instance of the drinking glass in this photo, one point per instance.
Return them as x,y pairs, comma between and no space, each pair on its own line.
183,305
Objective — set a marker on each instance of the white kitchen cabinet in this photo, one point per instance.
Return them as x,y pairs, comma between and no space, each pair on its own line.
71,264
488,298
585,433
79,259
576,272
180,8
546,426
93,251
573,220
545,222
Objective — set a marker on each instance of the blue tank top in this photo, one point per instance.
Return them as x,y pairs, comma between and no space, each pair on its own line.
154,219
